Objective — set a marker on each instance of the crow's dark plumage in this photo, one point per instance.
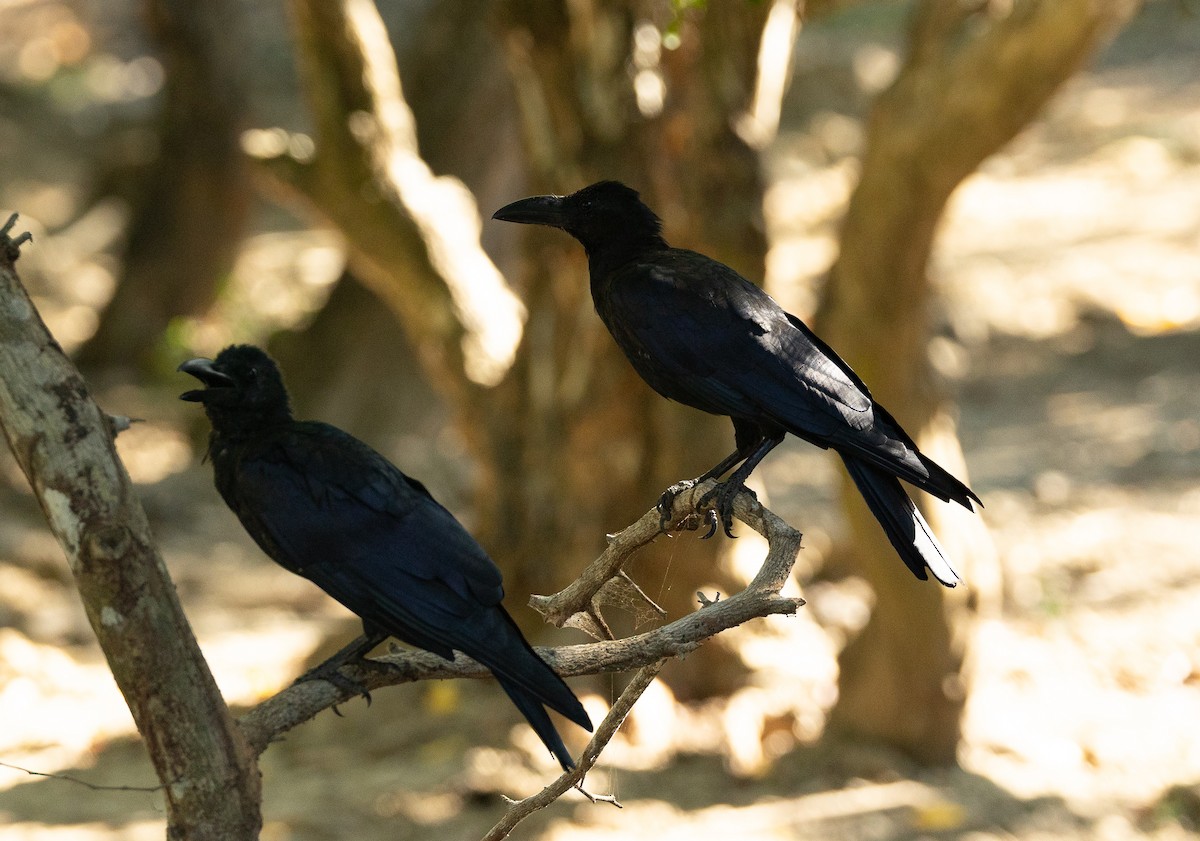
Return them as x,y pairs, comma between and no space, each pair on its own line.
701,334
324,505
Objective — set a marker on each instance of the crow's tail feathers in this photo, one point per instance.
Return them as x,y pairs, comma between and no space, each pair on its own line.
945,485
531,684
531,707
913,466
903,523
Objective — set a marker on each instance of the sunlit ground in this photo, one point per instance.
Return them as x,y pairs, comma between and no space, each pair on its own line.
1070,273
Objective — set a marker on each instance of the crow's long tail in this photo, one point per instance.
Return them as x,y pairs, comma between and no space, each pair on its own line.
530,682
903,523
531,707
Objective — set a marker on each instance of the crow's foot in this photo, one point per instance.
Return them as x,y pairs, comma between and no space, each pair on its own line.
666,502
12,245
721,497
329,672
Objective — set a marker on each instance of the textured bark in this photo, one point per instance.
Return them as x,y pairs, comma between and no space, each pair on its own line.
191,209
64,445
976,74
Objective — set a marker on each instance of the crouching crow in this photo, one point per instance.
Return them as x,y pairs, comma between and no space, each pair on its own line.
324,505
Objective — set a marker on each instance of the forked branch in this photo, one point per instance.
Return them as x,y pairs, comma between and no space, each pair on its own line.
300,702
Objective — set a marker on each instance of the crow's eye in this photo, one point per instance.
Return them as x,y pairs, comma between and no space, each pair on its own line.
252,375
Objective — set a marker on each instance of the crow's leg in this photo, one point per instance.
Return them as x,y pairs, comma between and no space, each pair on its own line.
667,501
328,671
731,487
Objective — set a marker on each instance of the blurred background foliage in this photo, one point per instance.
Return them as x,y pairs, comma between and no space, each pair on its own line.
316,177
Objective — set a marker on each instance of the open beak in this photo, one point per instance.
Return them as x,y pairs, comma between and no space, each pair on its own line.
206,372
537,210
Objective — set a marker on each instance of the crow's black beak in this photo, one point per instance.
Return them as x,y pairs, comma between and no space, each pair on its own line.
206,372
538,210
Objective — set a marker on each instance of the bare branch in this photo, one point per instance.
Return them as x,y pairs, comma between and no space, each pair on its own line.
302,701
64,445
608,728
579,602
69,779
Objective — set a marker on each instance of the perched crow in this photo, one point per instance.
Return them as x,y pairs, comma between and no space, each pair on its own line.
326,506
701,334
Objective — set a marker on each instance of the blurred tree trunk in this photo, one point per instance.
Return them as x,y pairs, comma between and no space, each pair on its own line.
571,68
567,408
573,72
976,74
188,218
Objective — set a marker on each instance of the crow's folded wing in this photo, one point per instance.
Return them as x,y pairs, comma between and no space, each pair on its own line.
326,506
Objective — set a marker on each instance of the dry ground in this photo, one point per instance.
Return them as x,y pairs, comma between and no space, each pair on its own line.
1071,271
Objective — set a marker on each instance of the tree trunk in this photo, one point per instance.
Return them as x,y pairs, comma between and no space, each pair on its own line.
64,445
188,220
974,77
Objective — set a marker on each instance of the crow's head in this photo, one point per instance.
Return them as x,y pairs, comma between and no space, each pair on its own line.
602,216
242,382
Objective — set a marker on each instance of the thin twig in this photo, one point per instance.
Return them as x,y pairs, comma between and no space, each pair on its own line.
93,786
608,728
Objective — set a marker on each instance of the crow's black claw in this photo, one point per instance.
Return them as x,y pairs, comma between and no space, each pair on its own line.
666,502
721,499
12,245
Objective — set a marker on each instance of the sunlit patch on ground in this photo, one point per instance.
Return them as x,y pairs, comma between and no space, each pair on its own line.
1071,278
824,814
252,664
43,691
136,831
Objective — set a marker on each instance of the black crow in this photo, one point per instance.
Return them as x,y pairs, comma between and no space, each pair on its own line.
324,505
701,334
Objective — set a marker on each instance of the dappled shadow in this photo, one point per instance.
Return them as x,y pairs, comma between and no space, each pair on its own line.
1080,415
1101,405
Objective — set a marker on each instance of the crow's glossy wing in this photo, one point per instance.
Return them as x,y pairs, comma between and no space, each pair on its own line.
328,507
702,334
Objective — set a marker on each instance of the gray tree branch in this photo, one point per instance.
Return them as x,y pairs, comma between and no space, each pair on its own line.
300,702
608,728
64,444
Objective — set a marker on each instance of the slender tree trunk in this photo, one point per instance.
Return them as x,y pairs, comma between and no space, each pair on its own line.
588,413
64,445
975,76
